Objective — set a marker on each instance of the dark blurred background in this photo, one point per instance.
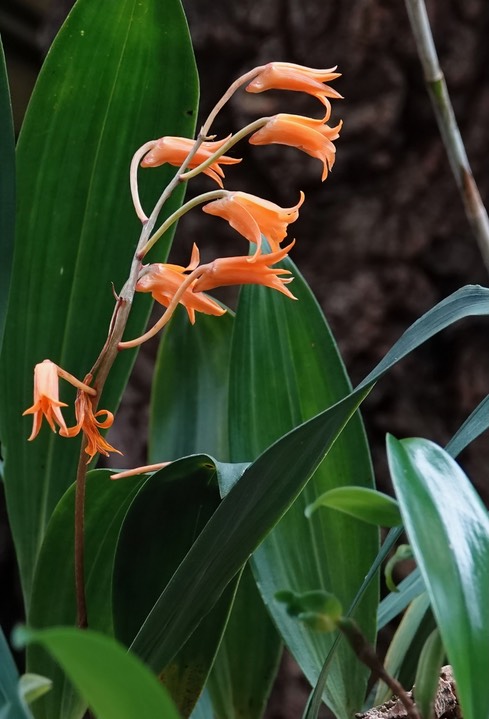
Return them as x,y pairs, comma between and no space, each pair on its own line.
380,242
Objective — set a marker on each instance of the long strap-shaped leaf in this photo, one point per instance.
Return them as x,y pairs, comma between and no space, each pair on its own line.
119,73
7,191
285,369
258,499
448,529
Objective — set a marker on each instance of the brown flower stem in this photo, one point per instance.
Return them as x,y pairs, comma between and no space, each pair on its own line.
367,655
81,602
474,207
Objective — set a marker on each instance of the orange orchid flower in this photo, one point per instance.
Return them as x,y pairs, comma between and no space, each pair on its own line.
311,136
253,217
240,271
288,76
87,422
46,398
163,280
174,150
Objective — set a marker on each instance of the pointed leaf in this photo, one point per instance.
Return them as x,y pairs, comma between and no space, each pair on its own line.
168,513
257,501
448,528
111,81
365,504
473,427
115,684
285,368
189,409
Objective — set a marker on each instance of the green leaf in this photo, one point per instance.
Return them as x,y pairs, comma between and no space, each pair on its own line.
285,368
448,528
118,74
257,501
395,602
402,553
12,705
473,427
7,191
401,643
365,504
248,658
189,405
106,503
115,684
34,686
164,518
428,673
189,392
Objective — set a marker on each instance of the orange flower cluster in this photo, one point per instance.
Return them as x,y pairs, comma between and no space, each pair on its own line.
47,405
251,216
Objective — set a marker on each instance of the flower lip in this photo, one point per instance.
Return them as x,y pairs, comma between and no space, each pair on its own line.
87,422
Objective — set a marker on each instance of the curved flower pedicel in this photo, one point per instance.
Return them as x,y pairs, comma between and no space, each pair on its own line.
253,217
174,150
311,136
289,76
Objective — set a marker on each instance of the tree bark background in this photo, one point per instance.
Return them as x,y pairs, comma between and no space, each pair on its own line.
385,237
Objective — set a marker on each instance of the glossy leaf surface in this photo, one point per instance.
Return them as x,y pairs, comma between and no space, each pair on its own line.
257,501
111,81
115,684
285,369
448,528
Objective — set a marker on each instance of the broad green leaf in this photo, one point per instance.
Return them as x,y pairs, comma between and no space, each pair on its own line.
189,407
12,706
190,389
365,504
448,529
314,702
114,683
257,501
7,191
164,519
401,643
248,658
105,506
285,368
119,73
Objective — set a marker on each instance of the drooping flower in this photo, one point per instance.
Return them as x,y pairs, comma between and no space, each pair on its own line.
253,217
174,150
46,398
239,271
311,136
289,76
87,422
163,281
